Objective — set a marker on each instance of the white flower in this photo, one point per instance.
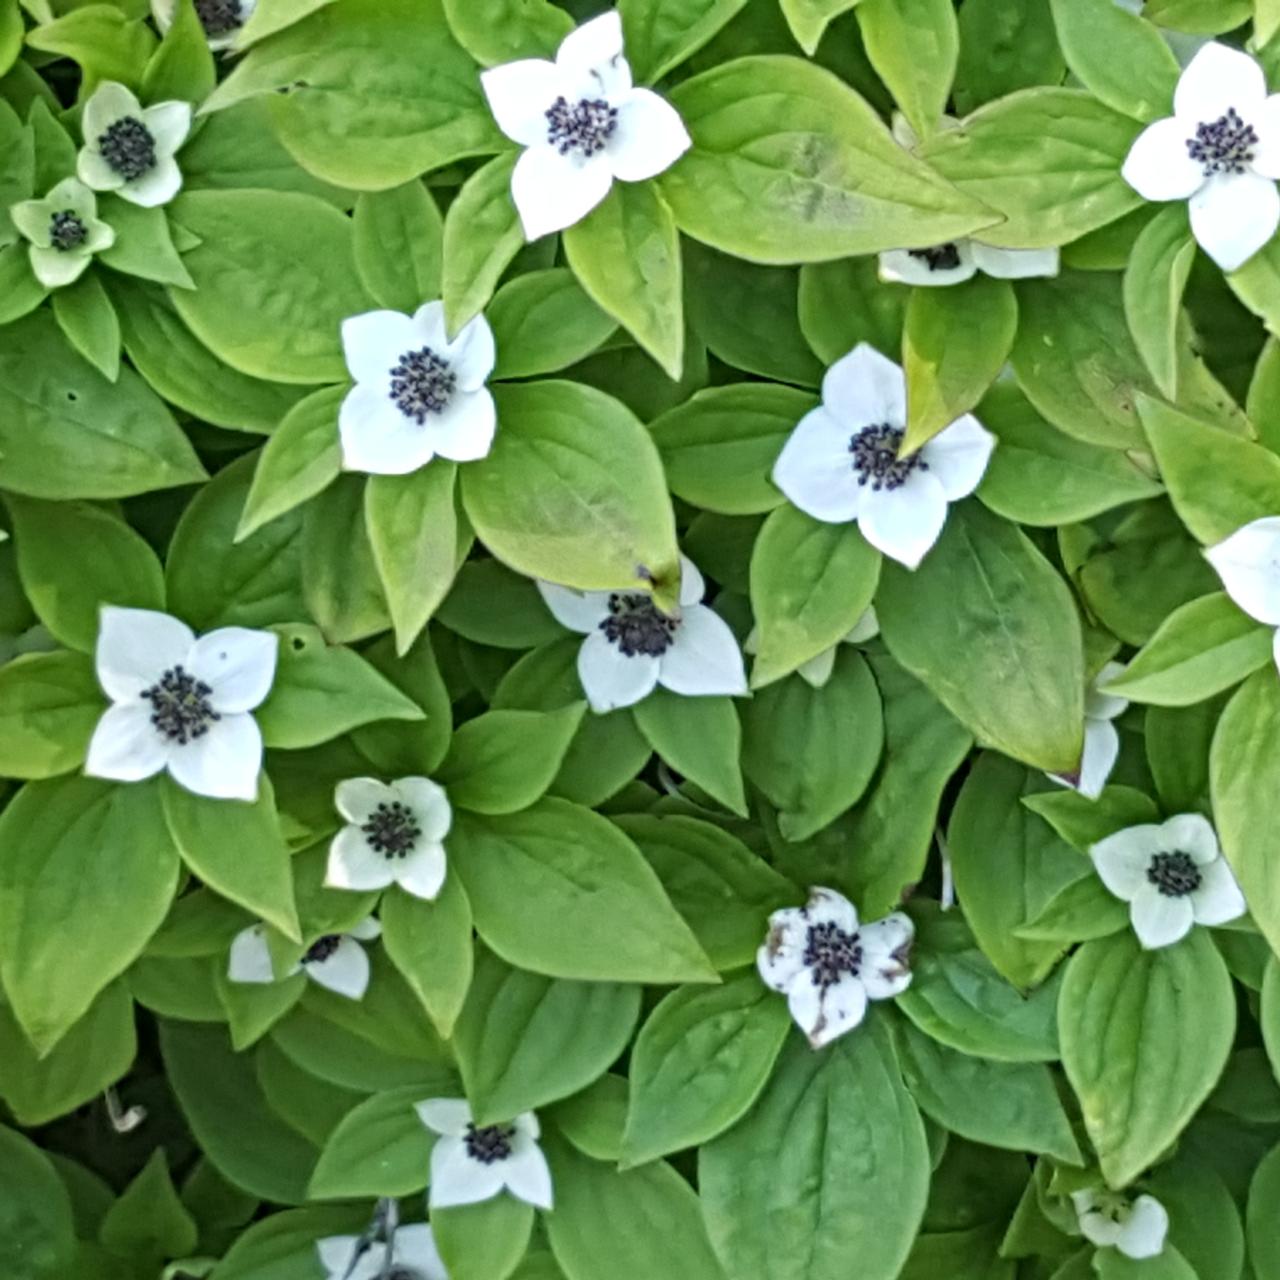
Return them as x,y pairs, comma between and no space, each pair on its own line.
817,670
64,230
582,125
394,835
829,966
129,149
414,1256
1172,875
416,393
336,960
179,703
470,1163
1135,1228
841,462
631,645
1248,562
222,20
1101,738
1221,150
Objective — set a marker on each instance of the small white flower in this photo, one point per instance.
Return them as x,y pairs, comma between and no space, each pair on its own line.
1172,875
631,645
416,393
829,966
1136,1228
1248,562
179,703
129,149
394,835
336,960
414,1256
222,20
817,670
470,1163
841,462
64,230
582,125
1220,150
1101,737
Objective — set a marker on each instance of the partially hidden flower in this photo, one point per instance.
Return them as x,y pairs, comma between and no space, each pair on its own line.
222,20
631,646
129,149
1220,150
1172,875
180,703
1101,737
1248,562
64,230
336,961
417,393
829,965
582,124
841,462
817,670
1110,1219
471,1163
394,835
413,1256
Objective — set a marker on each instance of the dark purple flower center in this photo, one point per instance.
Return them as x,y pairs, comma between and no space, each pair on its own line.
422,383
637,626
875,457
180,707
129,147
582,127
1174,874
830,953
490,1143
1224,145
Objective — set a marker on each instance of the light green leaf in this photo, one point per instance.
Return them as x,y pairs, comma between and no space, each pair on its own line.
148,1223
700,738
36,1217
494,31
430,943
483,1241
182,68
842,303
340,580
1264,1203
1082,820
482,234
49,705
913,46
809,19
1154,282
661,34
144,244
543,321
398,241
380,1148
89,322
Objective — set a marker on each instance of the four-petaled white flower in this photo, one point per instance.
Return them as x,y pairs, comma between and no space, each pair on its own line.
416,393
582,124
414,1256
179,703
829,966
222,20
1101,737
1109,1219
1220,150
470,1162
816,671
336,960
394,835
841,462
64,230
1172,875
631,645
1248,562
129,149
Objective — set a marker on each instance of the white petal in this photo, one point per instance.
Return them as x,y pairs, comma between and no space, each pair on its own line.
593,45
1101,749
609,678
1233,216
157,186
780,960
692,584
886,946
357,798
704,657
648,139
1105,706
1275,649
373,341
905,266
1158,919
135,647
519,94
377,438
526,1123
1248,562
250,958
1266,155
169,123
528,1176
55,268
353,864
366,930
109,102
1100,1228
1122,859
1159,166
1219,78
345,970
93,170
867,627
422,873
904,522
429,328
827,906
1218,899
415,1247
1143,1235
844,1005
552,191
958,456
464,431
804,1000
448,1116
430,805
125,746
458,1179
238,663
817,671
224,762
815,469
1015,264
865,388
472,354
581,611
1190,833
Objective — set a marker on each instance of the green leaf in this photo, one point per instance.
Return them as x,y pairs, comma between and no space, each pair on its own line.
1080,910
593,1119
35,1210
380,1148
252,1009
144,244
87,873
398,236
481,235
340,581
49,705
660,34
23,293
1082,821
842,304
543,321
700,738
148,1223
835,183
1004,47
809,19
1264,1203
494,31
430,943
494,606
1154,282
275,15
88,320
991,628
483,1241
830,1165
913,46
105,42
559,890
1139,1064
181,68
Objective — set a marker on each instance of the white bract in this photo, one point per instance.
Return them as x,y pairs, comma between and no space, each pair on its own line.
336,961
632,646
394,835
1109,1219
1248,562
471,1163
64,230
181,703
841,462
417,393
1172,875
1220,150
414,1256
828,965
129,149
817,670
222,20
582,124
1101,737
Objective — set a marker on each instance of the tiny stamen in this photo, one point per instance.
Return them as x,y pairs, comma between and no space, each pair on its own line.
322,948
67,230
392,830
637,626
583,128
128,146
219,17
830,953
422,383
489,1144
180,707
941,257
1174,874
1223,146
875,457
